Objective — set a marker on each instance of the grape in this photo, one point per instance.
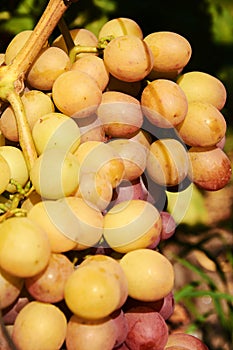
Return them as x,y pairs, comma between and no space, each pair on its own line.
54,174
150,274
78,220
56,130
10,288
131,224
94,156
120,114
168,225
167,162
10,313
120,26
143,137
171,52
128,58
210,167
91,129
40,213
134,157
147,329
184,341
130,88
80,36
76,94
48,286
85,334
3,339
95,67
2,137
164,103
121,324
36,104
39,326
95,189
24,247
92,292
204,125
17,165
49,64
200,86
5,174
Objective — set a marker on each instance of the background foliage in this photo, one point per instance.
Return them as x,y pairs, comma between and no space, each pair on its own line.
201,250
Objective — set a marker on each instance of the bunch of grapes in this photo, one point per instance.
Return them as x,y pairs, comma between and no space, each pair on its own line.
116,125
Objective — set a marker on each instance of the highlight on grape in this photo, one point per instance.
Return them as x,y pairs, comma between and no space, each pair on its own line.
102,145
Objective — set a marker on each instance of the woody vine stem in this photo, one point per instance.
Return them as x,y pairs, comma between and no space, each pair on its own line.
12,76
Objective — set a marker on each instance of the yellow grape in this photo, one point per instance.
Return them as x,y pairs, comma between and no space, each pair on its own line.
92,292
54,174
203,87
49,64
95,189
10,288
95,67
149,273
132,224
120,26
167,162
91,129
164,103
120,114
85,334
143,137
128,58
80,36
171,52
204,125
210,167
39,326
42,213
5,174
36,104
134,157
17,164
97,156
24,247
76,94
56,130
79,220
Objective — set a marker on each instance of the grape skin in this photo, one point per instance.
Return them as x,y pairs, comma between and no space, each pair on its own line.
120,26
5,174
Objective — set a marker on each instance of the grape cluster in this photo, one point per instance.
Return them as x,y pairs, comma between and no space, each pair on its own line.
116,125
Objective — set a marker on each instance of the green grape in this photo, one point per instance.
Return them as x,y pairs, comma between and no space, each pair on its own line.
56,130
24,247
17,164
203,87
76,94
5,174
120,26
120,114
150,274
36,104
171,52
132,224
128,58
164,103
55,174
204,125
40,326
49,64
95,67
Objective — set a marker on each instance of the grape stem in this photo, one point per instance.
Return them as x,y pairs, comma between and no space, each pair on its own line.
12,76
